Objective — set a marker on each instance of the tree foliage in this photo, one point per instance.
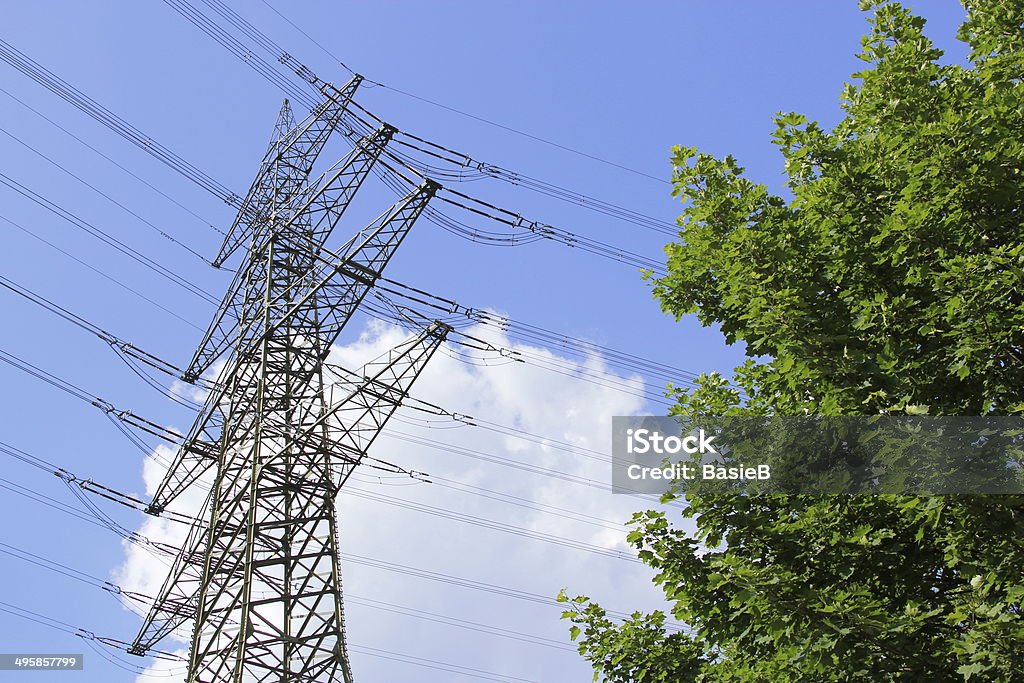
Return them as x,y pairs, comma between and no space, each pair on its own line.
890,281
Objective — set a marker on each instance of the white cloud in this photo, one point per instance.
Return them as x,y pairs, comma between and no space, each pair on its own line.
521,395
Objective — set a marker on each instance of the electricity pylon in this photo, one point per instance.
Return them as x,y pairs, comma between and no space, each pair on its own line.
259,572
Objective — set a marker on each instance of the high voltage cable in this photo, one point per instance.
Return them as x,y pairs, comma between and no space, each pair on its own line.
435,664
459,623
186,173
76,98
101,273
129,418
279,53
88,636
70,629
493,524
580,371
106,238
527,331
130,351
54,381
531,230
475,315
126,170
122,593
124,417
92,187
376,563
459,111
210,27
501,460
526,503
462,161
475,520
125,350
562,236
60,87
190,171
121,418
70,572
230,43
433,479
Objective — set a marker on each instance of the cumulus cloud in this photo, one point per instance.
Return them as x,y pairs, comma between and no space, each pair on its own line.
526,397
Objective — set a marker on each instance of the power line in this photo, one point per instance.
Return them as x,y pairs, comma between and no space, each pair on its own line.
106,238
100,192
483,522
123,418
261,66
461,161
439,303
129,352
184,169
459,111
76,98
100,272
376,604
123,594
113,161
231,497
89,636
363,560
104,116
129,418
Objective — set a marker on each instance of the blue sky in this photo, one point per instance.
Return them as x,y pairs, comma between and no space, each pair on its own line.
621,81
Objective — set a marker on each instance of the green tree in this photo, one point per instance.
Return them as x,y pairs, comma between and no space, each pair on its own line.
892,281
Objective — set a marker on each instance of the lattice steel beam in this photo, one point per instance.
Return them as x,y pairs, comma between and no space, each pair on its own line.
259,573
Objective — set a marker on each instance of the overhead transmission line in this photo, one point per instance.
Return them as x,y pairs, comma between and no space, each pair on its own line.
511,219
190,171
89,637
124,595
530,230
469,198
103,194
120,418
169,550
417,297
113,161
102,273
125,417
86,104
92,230
124,347
488,169
129,598
139,360
106,238
134,357
455,110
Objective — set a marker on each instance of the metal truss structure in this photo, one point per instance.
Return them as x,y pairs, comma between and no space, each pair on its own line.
259,573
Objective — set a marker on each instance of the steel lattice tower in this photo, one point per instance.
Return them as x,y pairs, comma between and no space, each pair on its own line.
259,572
